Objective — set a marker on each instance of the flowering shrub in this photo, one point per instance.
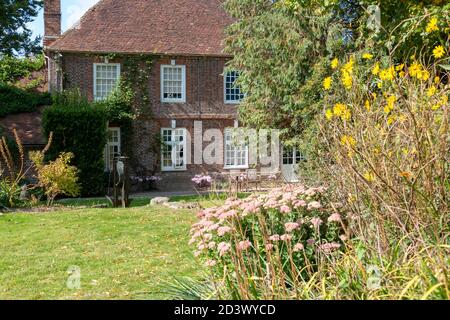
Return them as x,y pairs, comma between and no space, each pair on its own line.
279,235
386,130
146,179
202,181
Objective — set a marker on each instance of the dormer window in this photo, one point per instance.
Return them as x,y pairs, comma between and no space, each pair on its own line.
232,92
173,83
106,78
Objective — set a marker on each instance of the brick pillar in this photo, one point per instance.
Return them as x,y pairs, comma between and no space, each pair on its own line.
52,21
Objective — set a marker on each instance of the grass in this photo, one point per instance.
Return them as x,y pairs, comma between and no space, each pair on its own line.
122,253
205,201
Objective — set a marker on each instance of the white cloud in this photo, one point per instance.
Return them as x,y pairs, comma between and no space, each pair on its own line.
74,12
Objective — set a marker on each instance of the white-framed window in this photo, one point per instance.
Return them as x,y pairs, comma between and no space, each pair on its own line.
232,93
106,78
292,156
236,149
173,149
112,148
173,83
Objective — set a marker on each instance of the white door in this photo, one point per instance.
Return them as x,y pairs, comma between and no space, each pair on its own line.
291,159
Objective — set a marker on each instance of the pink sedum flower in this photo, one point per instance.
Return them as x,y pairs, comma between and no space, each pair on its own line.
210,263
299,247
329,247
244,245
269,247
274,237
211,245
286,237
285,209
335,217
223,230
314,205
316,222
291,226
223,248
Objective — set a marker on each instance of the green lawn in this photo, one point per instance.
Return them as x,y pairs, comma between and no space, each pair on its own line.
122,253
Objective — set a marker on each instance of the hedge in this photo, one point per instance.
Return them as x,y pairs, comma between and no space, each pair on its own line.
15,100
81,128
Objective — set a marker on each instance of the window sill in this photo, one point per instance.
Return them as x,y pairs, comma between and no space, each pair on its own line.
173,170
173,101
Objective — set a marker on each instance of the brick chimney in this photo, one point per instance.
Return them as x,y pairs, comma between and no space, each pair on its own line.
52,21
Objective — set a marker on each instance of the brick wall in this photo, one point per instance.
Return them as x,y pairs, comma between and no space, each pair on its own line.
204,101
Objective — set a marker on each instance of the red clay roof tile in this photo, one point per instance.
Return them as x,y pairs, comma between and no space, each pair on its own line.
176,27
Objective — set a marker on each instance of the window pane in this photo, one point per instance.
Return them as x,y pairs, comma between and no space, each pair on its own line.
172,82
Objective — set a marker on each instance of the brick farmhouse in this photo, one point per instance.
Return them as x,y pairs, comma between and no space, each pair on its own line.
189,90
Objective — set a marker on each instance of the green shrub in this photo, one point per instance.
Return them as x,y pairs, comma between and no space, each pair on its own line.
16,100
57,177
13,69
80,128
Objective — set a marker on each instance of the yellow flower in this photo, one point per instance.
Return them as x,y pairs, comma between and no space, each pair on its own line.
342,111
347,80
400,67
390,104
424,75
348,67
435,107
348,141
391,119
329,114
367,56
437,79
327,83
367,105
334,63
444,99
401,74
368,176
438,52
431,91
387,74
415,69
380,84
376,69
432,25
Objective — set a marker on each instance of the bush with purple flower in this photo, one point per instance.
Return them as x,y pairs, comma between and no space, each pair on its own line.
202,181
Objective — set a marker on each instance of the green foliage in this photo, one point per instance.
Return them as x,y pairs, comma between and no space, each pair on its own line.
9,194
15,100
13,68
57,177
15,35
280,51
403,27
119,105
80,128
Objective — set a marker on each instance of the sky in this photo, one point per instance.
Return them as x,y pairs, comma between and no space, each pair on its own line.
71,10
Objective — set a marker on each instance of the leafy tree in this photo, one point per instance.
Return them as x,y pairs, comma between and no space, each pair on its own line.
282,51
14,68
15,36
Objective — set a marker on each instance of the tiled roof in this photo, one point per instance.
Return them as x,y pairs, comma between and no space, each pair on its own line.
174,27
28,126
